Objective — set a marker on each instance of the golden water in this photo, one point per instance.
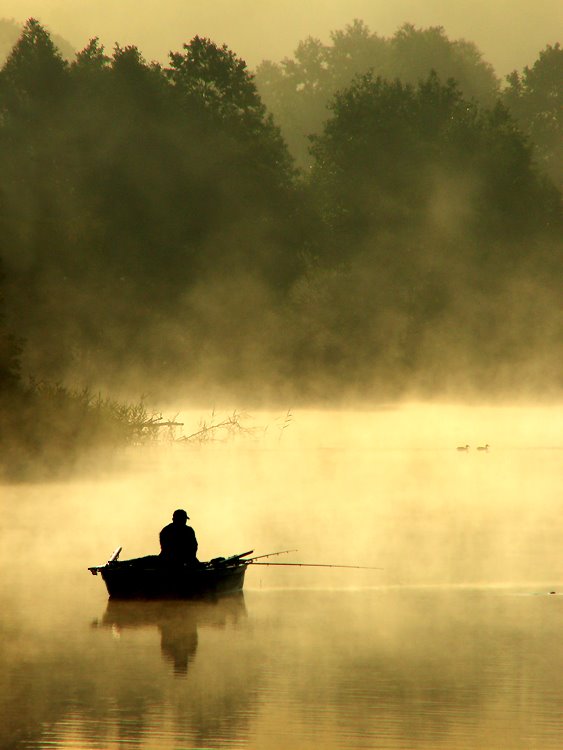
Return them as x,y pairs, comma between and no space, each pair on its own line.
455,644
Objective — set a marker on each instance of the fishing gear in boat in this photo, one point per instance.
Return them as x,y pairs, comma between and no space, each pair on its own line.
270,554
252,560
319,565
234,559
148,578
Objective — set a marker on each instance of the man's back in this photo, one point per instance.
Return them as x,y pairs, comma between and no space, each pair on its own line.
178,543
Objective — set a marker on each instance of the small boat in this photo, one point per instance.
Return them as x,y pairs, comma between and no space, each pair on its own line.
150,578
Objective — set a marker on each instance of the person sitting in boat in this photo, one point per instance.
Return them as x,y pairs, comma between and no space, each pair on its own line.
178,543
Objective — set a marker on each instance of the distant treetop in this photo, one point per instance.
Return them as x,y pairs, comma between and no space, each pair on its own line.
10,32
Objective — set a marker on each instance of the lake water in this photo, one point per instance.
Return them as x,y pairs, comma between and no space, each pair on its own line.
454,644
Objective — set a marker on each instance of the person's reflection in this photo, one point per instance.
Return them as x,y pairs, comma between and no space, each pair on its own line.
178,641
178,622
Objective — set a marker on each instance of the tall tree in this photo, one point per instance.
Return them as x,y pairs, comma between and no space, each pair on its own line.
35,72
437,214
10,352
10,32
298,89
535,97
214,79
415,52
389,149
247,176
130,189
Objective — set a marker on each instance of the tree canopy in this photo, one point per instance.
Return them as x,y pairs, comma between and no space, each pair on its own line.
390,146
10,32
155,234
297,90
535,97
125,184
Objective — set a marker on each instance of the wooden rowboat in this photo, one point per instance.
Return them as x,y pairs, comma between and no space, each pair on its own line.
150,578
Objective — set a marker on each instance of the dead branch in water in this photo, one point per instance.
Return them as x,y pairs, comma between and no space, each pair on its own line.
229,427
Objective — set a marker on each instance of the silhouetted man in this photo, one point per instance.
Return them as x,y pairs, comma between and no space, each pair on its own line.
178,544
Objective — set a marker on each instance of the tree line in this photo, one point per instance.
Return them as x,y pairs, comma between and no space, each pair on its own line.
297,90
158,234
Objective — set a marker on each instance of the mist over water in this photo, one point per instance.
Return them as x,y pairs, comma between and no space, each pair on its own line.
385,487
436,649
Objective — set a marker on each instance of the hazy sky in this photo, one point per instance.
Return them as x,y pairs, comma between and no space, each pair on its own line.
510,33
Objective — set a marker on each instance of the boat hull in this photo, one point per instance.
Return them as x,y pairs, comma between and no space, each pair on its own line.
148,578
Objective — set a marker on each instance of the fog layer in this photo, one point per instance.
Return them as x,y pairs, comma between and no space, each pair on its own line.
508,33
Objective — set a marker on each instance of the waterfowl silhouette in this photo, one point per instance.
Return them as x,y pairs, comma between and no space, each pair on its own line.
463,447
483,447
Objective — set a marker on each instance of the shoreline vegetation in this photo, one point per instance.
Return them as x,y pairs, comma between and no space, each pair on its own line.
374,219
48,430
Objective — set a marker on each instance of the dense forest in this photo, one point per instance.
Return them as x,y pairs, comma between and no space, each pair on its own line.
371,219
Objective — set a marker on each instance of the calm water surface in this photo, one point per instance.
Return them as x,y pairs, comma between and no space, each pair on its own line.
456,644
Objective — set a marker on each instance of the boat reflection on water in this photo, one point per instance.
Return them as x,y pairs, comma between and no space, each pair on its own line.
178,622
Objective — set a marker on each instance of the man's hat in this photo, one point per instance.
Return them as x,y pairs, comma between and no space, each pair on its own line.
180,514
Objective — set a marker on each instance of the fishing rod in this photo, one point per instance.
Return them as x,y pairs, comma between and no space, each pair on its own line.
236,559
270,554
318,565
